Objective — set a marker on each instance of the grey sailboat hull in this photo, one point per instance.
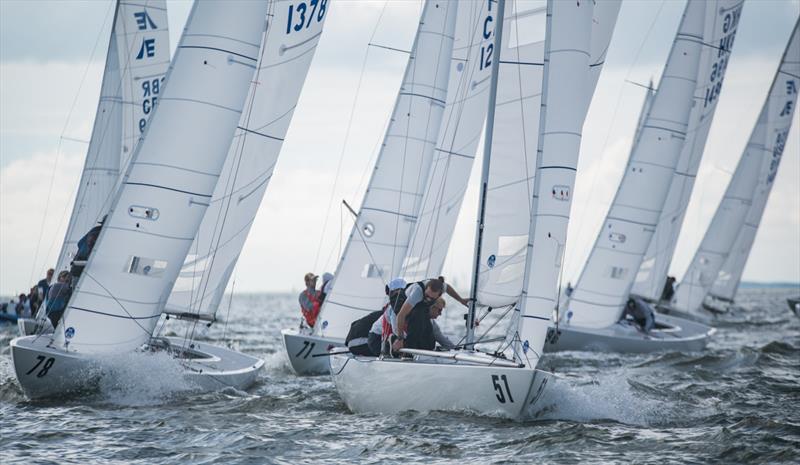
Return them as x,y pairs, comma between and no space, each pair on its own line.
46,371
671,334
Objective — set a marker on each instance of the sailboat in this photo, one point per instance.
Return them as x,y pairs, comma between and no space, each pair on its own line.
136,63
154,215
673,131
376,246
716,268
545,71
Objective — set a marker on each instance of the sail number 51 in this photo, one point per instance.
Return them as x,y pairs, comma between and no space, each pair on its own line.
498,389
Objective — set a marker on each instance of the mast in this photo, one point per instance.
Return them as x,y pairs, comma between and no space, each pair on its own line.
487,155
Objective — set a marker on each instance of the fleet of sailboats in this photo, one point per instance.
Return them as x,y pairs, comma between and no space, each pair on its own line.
182,153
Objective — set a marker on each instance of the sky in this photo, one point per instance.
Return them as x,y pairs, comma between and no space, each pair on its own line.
51,64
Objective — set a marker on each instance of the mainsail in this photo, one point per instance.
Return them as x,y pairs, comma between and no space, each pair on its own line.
604,284
284,63
131,85
568,86
510,188
377,244
655,265
169,181
736,220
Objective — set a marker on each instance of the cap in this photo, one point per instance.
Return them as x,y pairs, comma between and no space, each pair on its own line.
397,283
310,276
327,276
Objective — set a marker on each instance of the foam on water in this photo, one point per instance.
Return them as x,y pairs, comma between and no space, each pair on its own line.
142,378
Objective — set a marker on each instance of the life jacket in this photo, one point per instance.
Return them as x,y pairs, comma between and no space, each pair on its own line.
360,328
419,329
311,315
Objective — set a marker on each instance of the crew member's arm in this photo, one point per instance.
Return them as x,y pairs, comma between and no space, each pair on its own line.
452,293
439,336
405,310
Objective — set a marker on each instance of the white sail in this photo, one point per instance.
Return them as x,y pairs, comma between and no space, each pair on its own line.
568,88
143,44
105,157
741,207
462,124
377,244
608,275
169,181
285,60
655,265
515,141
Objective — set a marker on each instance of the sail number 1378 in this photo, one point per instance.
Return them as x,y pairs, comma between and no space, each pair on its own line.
303,14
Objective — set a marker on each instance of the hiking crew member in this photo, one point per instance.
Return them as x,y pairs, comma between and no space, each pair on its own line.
85,246
641,313
310,300
44,284
365,334
414,329
58,297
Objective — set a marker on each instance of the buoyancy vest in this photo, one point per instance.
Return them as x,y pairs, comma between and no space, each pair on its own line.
360,328
419,332
311,315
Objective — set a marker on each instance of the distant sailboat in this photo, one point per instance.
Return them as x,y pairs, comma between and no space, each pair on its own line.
594,318
718,263
155,214
544,68
136,63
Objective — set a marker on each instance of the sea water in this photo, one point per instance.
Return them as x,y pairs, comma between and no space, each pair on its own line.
736,402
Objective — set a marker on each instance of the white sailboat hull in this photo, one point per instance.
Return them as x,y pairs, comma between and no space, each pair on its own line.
302,348
30,326
45,371
671,334
370,385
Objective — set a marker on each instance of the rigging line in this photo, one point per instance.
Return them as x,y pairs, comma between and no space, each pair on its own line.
347,133
86,272
60,141
615,113
523,125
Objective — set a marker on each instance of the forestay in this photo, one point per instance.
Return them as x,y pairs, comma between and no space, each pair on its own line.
567,91
111,140
742,206
286,53
169,181
653,271
379,239
608,275
516,137
462,124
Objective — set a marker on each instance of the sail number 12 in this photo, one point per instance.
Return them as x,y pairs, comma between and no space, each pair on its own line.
301,15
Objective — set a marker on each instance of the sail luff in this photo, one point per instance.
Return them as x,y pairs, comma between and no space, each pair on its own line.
653,271
757,166
379,239
168,183
281,71
605,282
566,93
